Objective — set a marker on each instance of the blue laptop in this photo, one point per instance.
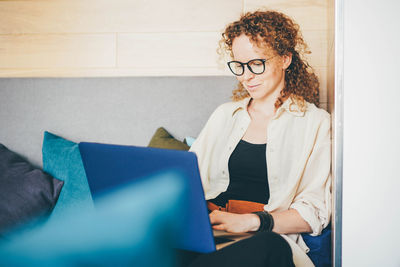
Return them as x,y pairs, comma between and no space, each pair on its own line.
111,166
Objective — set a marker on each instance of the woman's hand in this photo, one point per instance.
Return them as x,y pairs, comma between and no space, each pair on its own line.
234,223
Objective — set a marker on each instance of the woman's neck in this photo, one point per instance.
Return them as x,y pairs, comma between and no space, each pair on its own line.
266,105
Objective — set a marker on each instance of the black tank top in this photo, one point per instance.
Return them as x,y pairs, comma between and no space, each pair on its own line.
248,175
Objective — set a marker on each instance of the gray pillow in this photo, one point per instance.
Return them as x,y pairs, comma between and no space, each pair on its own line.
26,192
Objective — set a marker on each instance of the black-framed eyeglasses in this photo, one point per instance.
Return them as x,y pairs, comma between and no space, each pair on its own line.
256,66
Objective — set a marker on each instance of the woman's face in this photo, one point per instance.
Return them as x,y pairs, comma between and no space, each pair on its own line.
268,84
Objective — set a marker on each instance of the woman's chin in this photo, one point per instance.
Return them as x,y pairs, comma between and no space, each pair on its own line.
254,94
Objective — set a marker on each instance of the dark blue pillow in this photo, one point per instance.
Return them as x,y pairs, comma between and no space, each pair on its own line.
26,192
320,247
134,225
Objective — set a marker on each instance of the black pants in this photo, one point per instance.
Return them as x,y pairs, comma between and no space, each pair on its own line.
262,249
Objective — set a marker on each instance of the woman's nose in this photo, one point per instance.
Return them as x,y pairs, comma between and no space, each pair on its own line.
247,74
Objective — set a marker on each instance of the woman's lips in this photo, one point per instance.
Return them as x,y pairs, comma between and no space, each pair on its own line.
252,87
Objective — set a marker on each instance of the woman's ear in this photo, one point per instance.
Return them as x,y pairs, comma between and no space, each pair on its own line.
287,60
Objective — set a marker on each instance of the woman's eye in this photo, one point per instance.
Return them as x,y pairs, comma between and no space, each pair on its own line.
256,64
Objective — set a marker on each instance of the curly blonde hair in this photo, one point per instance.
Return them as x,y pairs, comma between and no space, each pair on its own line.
278,32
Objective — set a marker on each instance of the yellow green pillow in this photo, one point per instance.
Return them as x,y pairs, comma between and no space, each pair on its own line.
163,139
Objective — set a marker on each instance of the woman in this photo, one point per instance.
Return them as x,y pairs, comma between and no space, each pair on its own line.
265,158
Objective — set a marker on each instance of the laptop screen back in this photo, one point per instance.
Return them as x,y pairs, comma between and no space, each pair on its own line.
111,166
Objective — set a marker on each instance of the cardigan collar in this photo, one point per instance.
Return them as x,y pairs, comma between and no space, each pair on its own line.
290,106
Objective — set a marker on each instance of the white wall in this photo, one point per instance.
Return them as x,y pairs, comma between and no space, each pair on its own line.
371,161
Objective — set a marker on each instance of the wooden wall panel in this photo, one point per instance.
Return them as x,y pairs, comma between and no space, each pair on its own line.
78,38
95,16
57,51
113,72
309,14
164,50
317,43
323,76
331,55
324,106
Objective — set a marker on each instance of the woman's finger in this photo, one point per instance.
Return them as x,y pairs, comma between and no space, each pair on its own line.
219,227
215,217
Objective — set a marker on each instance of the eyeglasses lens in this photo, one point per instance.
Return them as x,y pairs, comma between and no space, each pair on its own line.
236,67
257,66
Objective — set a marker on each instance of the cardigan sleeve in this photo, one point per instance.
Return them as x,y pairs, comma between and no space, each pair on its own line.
313,198
205,142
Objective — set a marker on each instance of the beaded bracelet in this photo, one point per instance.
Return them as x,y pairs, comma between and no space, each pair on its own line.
266,221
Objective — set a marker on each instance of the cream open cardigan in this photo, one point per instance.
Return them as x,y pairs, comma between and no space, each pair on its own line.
298,161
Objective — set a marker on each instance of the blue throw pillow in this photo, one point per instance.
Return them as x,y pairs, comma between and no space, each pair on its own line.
189,140
320,247
62,160
134,225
